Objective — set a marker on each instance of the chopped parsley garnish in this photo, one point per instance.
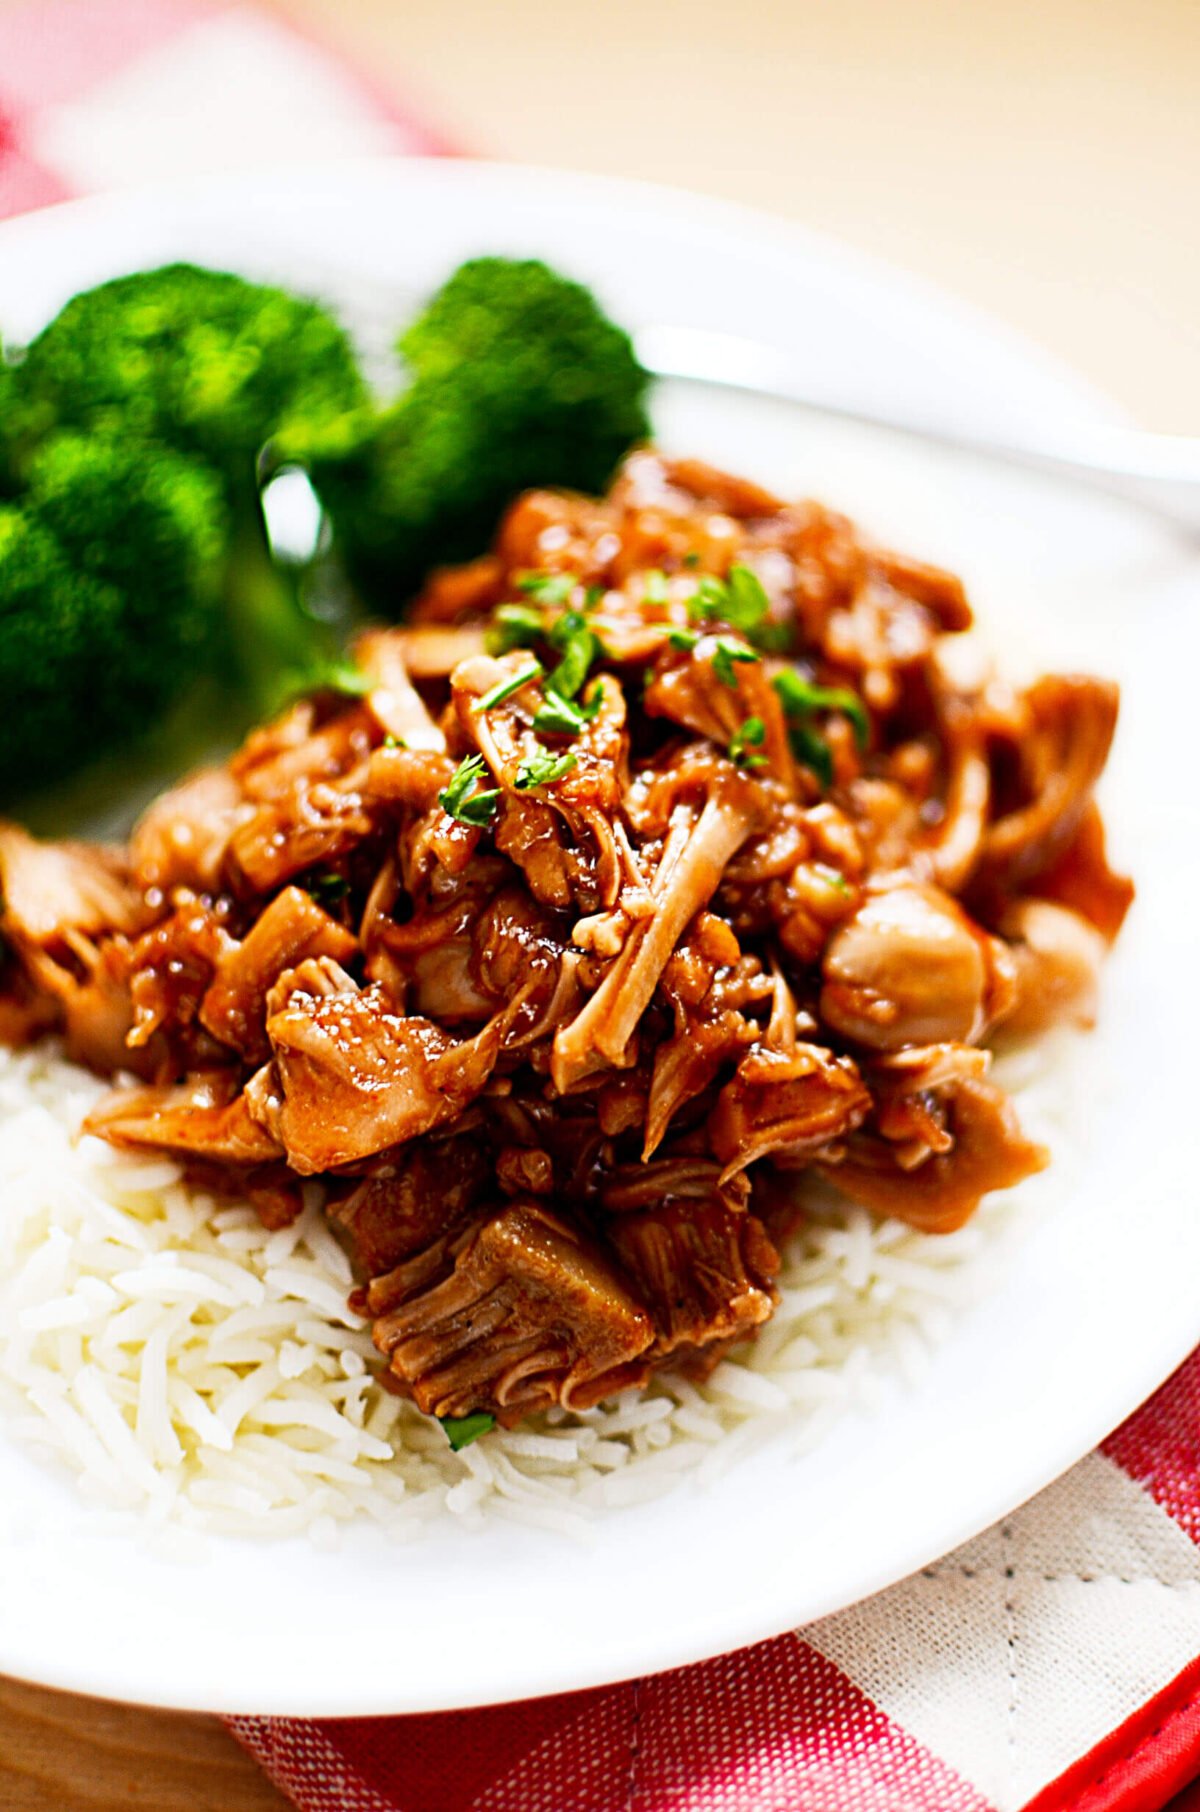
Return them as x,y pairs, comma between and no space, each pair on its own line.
655,587
462,1430
831,877
580,649
506,687
543,769
748,604
708,600
800,698
480,808
564,627
749,737
547,588
348,679
394,742
741,602
813,751
726,653
513,626
329,889
684,638
692,559
564,716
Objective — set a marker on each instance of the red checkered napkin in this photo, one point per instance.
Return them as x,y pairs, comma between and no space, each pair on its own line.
99,94
1051,1664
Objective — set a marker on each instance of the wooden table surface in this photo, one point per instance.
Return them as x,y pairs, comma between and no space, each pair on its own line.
1039,157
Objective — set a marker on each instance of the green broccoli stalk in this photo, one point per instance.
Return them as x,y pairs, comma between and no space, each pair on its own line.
517,379
109,572
206,365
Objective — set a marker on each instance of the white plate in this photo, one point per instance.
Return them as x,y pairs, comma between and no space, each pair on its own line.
1101,1301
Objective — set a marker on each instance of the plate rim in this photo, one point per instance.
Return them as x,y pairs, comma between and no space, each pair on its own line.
796,240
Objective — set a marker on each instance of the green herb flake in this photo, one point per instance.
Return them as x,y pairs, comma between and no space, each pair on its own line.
346,678
832,878
741,602
691,560
749,605
506,687
565,716
542,769
394,742
708,601
654,585
579,651
749,737
684,638
328,889
725,655
513,626
547,588
813,751
560,716
462,1430
774,638
801,697
564,627
479,809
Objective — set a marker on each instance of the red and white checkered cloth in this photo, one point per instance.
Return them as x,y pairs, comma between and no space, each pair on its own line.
1050,1665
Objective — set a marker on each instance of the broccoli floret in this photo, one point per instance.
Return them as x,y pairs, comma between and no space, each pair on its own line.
518,379
143,518
53,623
12,417
109,567
134,553
130,434
199,360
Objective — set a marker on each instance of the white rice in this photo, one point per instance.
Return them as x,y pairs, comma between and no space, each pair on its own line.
196,1370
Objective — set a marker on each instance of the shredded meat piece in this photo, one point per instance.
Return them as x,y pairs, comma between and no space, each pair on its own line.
52,889
180,840
955,850
1057,955
573,952
704,1273
1062,752
987,1151
89,994
628,1187
394,702
687,877
292,929
530,1313
307,826
712,990
410,1200
910,1090
193,1119
1082,879
170,968
355,1077
786,1104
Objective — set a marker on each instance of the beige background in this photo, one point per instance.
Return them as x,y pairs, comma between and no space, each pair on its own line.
1039,157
